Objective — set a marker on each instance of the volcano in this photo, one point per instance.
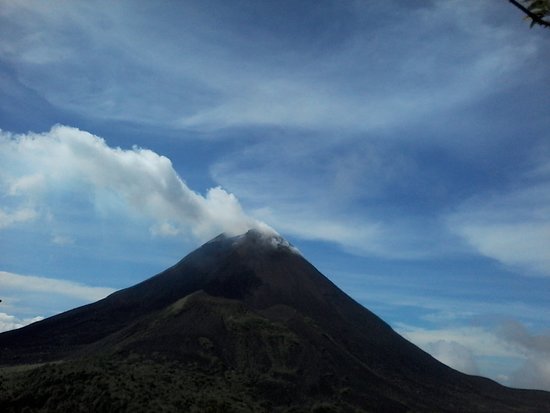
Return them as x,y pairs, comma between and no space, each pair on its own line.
242,324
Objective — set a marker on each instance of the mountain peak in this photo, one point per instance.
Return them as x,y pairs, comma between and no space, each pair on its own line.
265,240
250,317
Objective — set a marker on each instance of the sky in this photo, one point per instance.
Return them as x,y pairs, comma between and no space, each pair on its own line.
402,146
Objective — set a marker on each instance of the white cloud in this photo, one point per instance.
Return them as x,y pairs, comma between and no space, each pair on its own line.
62,240
10,322
335,192
136,182
27,298
522,245
479,341
22,215
362,237
466,349
524,357
10,282
518,334
535,371
24,184
213,76
164,229
533,374
511,226
453,355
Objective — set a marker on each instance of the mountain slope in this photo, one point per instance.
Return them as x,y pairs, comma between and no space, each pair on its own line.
251,317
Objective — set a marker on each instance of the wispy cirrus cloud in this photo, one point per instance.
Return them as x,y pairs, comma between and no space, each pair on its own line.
28,283
511,225
213,77
30,298
363,196
18,216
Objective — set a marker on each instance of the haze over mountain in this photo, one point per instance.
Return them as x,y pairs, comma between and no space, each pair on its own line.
243,323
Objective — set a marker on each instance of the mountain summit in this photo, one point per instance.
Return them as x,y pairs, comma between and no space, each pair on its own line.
243,323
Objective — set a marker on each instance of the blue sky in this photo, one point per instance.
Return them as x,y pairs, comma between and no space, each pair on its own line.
402,146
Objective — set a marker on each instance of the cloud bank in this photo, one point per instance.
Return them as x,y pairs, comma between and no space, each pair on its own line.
138,183
535,371
214,77
475,349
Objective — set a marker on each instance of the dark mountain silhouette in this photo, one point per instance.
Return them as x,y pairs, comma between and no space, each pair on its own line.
241,324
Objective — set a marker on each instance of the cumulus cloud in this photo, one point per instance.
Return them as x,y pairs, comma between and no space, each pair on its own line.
136,182
10,322
28,183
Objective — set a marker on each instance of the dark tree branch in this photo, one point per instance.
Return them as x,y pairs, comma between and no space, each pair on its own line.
536,18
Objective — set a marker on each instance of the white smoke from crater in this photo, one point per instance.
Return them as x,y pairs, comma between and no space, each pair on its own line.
137,182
